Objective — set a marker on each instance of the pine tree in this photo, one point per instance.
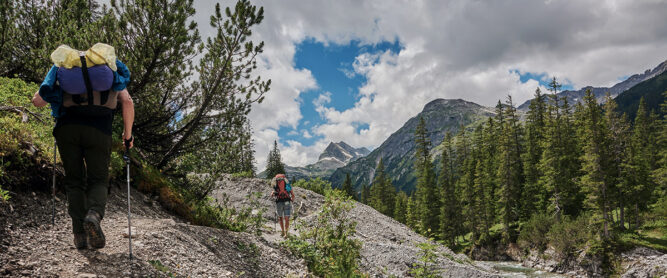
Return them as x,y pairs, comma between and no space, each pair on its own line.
617,134
509,170
382,192
461,177
389,196
594,182
347,186
489,172
660,173
412,214
559,162
365,194
274,164
533,195
479,180
449,212
428,203
473,208
638,169
401,207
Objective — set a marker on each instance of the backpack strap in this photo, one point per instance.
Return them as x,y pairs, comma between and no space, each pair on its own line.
104,96
86,79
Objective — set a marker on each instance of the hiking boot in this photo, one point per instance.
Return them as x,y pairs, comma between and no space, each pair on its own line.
93,229
80,241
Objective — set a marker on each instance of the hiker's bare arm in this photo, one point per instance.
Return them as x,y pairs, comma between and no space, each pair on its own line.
38,101
128,115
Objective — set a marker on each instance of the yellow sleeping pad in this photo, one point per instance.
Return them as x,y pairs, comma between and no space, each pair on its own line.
99,54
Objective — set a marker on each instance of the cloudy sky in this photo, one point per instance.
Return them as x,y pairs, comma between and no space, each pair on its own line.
355,71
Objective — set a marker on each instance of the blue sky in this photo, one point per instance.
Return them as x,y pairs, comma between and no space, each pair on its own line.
544,79
331,66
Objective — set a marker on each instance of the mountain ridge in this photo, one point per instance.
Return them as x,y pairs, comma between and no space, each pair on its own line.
600,92
334,156
397,151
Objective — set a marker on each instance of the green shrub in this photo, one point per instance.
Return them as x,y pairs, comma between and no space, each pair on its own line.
157,264
660,208
25,133
533,232
317,185
23,123
245,174
569,235
426,268
327,245
199,211
4,195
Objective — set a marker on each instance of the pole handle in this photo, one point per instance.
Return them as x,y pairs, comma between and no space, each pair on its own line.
126,143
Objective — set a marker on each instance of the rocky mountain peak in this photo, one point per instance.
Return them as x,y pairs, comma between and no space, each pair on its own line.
440,103
342,152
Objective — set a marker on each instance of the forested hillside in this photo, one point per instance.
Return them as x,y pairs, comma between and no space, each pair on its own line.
571,179
397,152
652,91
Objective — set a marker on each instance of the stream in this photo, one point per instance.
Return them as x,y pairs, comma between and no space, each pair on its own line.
515,269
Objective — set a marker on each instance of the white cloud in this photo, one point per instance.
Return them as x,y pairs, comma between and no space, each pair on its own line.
322,99
306,134
348,73
450,49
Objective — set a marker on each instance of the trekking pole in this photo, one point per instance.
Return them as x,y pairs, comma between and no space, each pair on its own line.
126,157
53,185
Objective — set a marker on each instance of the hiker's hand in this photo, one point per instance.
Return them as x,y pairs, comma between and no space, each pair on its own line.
38,101
129,138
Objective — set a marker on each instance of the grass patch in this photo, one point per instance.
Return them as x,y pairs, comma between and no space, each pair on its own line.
652,235
157,264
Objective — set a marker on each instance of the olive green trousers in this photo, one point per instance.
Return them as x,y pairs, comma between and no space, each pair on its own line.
85,152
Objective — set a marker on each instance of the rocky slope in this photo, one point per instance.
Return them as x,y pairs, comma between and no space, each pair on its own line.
397,152
600,92
162,244
389,248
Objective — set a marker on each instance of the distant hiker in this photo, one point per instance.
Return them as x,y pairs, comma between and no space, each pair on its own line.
282,191
84,89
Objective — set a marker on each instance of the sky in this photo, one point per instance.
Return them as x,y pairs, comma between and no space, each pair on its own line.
357,70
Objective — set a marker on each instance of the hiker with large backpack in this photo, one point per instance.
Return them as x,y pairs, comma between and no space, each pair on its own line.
83,89
282,192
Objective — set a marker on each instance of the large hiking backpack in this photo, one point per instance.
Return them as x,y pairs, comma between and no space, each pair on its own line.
97,100
86,79
282,188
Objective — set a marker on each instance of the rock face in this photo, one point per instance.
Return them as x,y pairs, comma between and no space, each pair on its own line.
389,247
336,155
642,262
339,154
441,116
600,92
